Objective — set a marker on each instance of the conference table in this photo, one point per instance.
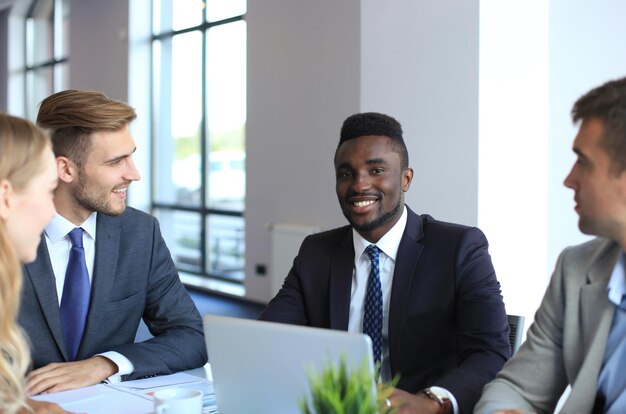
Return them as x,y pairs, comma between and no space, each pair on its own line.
133,397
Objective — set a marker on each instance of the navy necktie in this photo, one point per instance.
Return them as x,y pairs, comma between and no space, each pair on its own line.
373,307
76,293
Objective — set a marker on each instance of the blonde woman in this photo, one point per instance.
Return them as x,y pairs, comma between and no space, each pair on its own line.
27,181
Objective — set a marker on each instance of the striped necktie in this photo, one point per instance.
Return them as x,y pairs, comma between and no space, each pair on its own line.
373,307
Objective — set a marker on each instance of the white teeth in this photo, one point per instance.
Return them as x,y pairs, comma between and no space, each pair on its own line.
120,190
363,203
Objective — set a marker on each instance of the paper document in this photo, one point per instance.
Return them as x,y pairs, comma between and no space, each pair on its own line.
98,399
145,388
129,397
158,382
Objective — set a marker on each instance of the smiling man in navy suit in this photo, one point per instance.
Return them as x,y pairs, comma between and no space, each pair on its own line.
82,323
444,327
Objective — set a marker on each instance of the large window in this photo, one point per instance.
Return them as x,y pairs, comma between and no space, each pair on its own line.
199,115
47,25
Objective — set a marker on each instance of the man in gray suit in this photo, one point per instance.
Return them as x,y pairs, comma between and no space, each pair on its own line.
579,334
101,267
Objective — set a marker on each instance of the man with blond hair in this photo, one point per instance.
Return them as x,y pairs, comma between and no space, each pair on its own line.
102,266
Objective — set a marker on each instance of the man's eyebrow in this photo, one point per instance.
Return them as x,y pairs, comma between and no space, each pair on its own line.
121,157
368,162
375,161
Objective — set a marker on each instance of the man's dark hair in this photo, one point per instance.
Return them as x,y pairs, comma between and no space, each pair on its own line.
374,123
607,103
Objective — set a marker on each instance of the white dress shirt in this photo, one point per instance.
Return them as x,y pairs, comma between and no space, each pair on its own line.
388,245
59,246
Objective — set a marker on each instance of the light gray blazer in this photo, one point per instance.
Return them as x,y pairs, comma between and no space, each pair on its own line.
565,344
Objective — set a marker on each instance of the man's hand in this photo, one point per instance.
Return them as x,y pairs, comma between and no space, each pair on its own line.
62,376
42,407
408,403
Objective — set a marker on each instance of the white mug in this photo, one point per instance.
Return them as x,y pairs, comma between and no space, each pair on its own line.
178,401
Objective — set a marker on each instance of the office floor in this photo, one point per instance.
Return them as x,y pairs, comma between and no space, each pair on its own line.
222,305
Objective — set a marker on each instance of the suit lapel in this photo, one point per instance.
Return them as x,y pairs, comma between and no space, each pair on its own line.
596,320
42,278
408,255
341,269
107,248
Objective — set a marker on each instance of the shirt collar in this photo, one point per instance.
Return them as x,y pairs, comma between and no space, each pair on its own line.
617,283
388,244
59,227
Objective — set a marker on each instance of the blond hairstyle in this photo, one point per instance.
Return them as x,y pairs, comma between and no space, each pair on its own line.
72,116
22,146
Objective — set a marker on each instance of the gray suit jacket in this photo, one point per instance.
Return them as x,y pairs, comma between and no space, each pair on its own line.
133,278
565,345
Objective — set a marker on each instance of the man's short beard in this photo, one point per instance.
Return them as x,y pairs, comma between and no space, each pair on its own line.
91,203
378,221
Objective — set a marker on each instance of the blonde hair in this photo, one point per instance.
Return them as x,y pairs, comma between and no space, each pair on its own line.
22,146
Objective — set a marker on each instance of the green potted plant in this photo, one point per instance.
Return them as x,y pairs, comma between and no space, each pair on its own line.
340,390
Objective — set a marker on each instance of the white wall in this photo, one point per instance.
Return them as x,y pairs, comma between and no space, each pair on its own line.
586,49
536,59
303,81
419,64
99,46
514,67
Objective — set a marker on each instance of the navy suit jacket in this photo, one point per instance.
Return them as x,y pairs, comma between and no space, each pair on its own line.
133,278
447,323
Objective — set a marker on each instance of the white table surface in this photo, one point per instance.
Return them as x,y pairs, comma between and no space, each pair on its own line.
104,399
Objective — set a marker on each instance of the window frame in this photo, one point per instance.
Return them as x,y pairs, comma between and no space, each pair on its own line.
57,59
202,210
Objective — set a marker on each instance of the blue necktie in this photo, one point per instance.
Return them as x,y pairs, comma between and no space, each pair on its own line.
373,309
76,293
612,381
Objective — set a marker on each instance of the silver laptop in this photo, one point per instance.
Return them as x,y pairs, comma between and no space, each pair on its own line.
262,367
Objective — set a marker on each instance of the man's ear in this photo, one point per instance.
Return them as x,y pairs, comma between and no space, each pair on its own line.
407,177
6,199
67,170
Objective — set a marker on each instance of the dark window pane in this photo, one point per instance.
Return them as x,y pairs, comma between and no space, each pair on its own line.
62,37
181,231
226,247
39,32
39,84
61,76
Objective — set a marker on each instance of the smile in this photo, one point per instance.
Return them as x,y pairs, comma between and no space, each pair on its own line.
364,203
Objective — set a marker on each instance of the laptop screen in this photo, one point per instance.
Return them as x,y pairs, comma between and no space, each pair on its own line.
263,367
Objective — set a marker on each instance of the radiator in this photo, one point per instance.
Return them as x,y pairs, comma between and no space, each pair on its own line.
286,240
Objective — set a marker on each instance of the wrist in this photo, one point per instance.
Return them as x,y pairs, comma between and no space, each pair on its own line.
440,399
106,367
